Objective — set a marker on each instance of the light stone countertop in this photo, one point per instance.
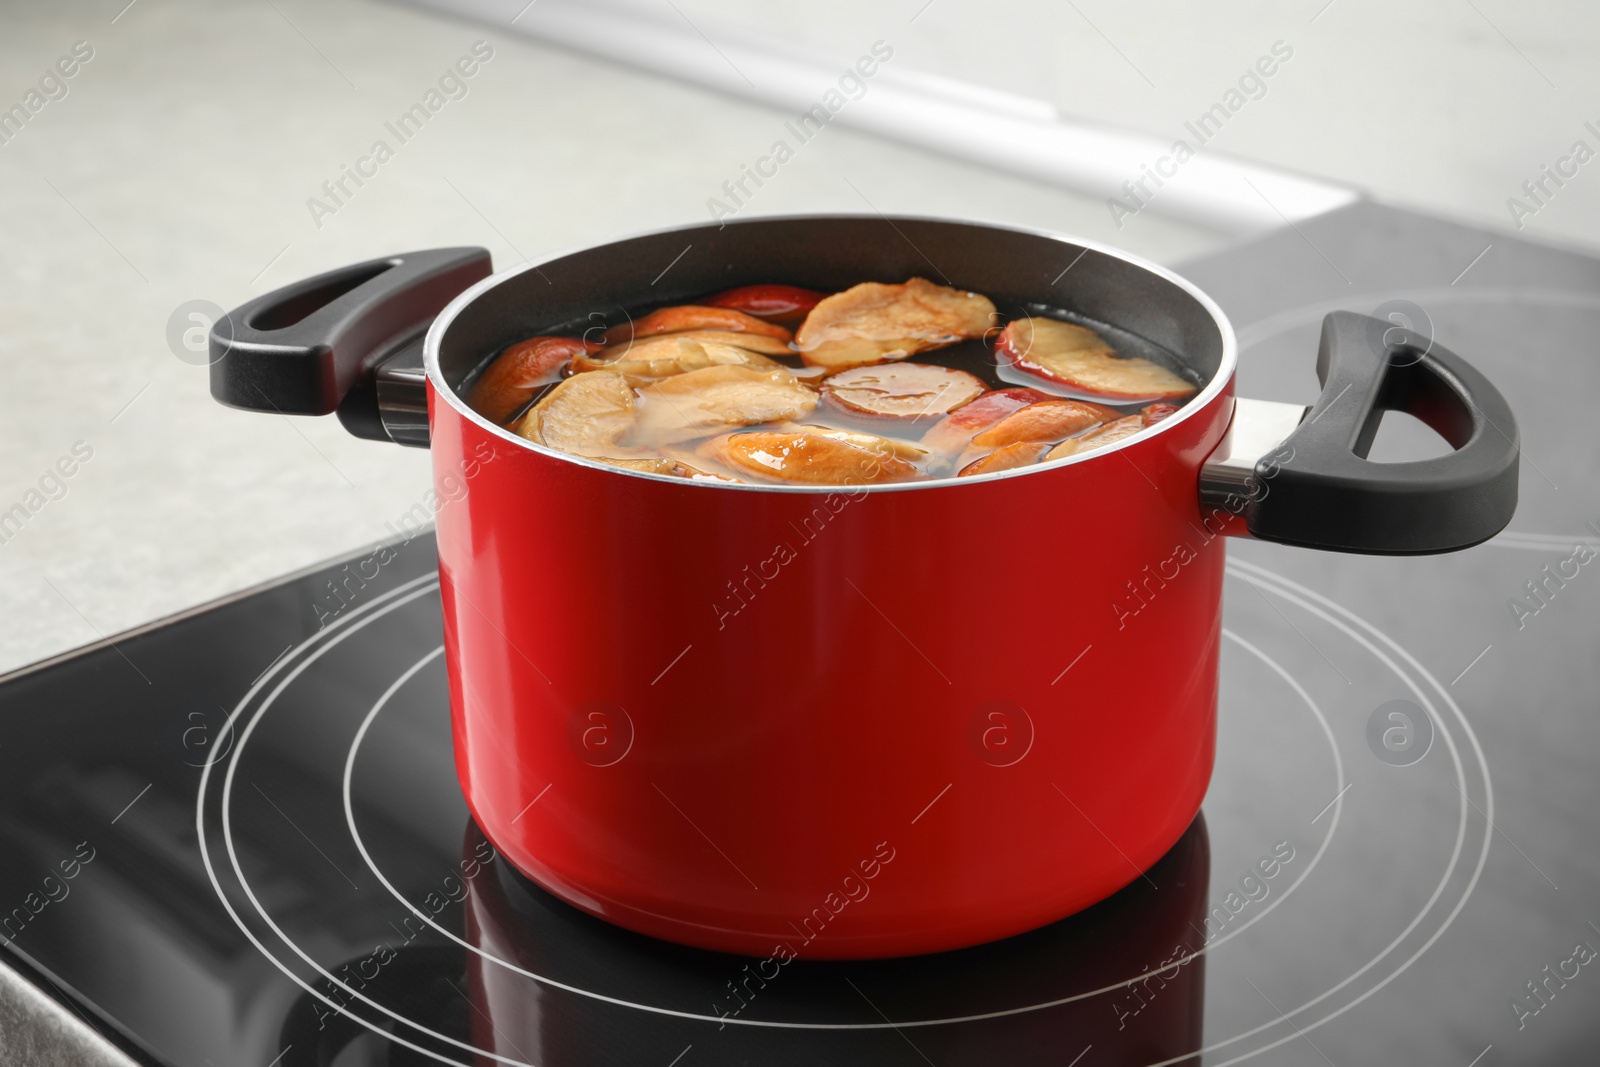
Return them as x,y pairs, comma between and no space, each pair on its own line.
178,168
179,165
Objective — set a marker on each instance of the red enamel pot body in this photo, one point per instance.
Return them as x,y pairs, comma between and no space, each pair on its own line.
713,716
853,721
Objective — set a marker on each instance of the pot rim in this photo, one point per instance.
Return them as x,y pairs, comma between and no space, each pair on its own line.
1219,382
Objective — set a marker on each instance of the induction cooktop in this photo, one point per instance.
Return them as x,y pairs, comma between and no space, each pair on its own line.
236,837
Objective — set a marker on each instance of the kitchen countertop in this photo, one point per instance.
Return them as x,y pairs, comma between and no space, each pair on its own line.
178,167
179,164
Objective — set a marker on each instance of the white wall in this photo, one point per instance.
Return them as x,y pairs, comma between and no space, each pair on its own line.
1445,106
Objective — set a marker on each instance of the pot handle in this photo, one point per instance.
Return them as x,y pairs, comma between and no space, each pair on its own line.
348,341
1302,478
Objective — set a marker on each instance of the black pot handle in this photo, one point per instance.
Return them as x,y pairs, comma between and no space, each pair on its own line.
316,345
1317,489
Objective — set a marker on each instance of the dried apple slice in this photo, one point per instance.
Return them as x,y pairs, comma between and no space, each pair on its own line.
713,399
1044,422
1154,413
693,317
889,446
952,433
516,374
808,458
1080,359
697,472
587,415
649,362
663,465
873,322
694,474
1099,437
704,455
784,304
645,464
900,392
1008,457
654,346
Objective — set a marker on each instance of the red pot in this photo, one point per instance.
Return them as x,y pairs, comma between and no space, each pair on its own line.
864,721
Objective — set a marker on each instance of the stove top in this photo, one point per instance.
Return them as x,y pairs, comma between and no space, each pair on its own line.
236,837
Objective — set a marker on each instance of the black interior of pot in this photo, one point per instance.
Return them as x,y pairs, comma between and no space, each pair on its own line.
603,285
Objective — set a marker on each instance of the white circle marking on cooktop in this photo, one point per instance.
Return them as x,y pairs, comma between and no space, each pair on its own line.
325,639
1309,599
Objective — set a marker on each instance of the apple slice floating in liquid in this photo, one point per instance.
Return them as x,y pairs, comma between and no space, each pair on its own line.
647,347
955,431
1008,457
705,401
809,459
517,373
873,323
587,415
664,465
901,392
686,317
1099,437
1078,358
1045,422
785,304
1154,413
889,446
647,362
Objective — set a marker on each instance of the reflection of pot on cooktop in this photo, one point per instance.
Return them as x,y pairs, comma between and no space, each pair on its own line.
1126,976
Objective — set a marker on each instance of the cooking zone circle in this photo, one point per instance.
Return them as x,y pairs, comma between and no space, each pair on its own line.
338,800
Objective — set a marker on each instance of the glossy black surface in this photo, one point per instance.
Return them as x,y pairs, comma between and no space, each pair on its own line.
271,860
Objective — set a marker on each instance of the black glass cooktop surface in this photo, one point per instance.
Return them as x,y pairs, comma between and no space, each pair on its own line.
237,838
